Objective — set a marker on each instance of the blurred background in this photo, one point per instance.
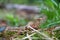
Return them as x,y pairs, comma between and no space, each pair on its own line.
20,12
29,10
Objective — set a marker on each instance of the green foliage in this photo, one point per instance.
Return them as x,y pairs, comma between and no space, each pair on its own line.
19,1
15,21
52,11
11,20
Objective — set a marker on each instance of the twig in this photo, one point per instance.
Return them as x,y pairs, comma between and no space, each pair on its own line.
40,33
29,37
57,28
